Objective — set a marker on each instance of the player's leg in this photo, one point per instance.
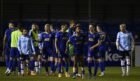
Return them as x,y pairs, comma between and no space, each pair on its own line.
75,66
37,60
22,57
10,64
81,59
51,61
59,68
46,65
18,61
45,58
127,58
102,63
27,64
55,61
40,60
97,60
7,56
89,60
59,65
32,65
122,59
66,65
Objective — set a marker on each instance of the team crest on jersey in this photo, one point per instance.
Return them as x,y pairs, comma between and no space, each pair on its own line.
47,39
91,39
65,38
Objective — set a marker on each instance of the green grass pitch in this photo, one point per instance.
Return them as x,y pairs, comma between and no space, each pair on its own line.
112,74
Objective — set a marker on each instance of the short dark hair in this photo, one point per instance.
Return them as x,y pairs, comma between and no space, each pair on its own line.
100,26
19,26
93,24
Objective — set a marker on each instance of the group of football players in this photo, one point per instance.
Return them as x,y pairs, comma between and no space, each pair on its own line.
56,49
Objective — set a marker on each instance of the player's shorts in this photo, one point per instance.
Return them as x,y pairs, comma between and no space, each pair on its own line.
37,51
79,59
14,52
123,54
62,54
24,57
78,52
102,53
7,50
47,53
55,55
91,53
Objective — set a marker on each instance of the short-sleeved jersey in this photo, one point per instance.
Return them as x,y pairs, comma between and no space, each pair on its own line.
62,38
125,40
25,45
8,35
93,39
14,38
34,36
47,40
70,31
78,42
104,40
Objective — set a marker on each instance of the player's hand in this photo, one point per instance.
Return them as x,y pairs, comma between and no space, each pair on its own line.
66,51
57,51
117,47
34,53
91,48
109,49
2,53
71,25
41,50
20,53
132,49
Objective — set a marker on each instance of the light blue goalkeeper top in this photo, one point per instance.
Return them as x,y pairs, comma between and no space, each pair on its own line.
125,41
25,45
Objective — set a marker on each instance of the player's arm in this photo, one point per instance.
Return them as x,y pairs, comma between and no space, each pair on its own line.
67,46
117,41
132,42
108,43
96,45
40,44
4,41
56,45
19,45
32,46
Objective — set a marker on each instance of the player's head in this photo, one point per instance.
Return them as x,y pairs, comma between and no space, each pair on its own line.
123,27
20,27
25,31
98,28
72,23
47,28
10,25
78,29
63,27
91,27
34,26
51,28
